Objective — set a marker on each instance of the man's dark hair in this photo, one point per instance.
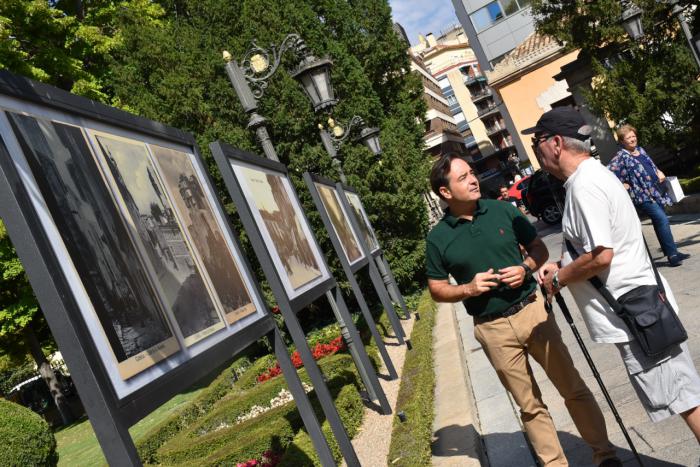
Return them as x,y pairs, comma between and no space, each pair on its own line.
502,187
441,169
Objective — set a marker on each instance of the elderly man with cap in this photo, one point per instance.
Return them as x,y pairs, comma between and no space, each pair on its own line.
605,240
478,242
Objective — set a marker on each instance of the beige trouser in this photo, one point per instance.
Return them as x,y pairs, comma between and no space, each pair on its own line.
507,343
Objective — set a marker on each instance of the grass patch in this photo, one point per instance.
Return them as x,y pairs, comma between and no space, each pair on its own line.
410,440
77,443
691,183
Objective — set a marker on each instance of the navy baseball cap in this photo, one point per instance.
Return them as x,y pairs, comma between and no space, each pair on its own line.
562,121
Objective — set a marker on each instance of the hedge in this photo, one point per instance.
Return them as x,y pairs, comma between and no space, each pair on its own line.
208,441
690,185
26,438
410,440
185,416
301,451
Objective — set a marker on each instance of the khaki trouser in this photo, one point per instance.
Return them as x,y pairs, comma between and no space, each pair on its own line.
507,343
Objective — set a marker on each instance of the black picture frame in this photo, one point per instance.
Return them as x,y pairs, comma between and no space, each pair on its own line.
48,262
225,156
364,226
338,222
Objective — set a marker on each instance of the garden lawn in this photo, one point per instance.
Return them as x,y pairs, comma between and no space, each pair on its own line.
77,444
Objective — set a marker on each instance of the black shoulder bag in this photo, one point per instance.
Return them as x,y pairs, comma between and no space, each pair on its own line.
646,312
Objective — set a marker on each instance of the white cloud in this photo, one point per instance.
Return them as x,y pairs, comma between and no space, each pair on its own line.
422,17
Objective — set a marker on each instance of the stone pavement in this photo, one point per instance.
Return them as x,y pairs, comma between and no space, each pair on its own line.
492,414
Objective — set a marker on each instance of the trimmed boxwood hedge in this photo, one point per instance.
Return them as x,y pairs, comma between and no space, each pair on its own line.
25,437
208,441
690,185
185,416
410,440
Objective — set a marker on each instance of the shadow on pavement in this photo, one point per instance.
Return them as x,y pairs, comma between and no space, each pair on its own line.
455,440
508,449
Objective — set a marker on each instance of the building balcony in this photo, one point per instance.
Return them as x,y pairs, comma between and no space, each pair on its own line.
480,96
469,141
494,130
489,173
469,80
487,111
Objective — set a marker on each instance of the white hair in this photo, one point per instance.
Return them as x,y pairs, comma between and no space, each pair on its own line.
576,145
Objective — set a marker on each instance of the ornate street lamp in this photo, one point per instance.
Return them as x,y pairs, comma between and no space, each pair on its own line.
315,76
250,79
333,139
632,20
370,138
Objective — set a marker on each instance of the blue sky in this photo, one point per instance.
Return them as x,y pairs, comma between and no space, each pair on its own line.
422,17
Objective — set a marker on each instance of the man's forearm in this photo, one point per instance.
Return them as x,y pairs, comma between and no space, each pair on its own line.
448,293
584,267
537,254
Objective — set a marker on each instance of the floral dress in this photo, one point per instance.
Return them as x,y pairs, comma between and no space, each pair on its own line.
643,187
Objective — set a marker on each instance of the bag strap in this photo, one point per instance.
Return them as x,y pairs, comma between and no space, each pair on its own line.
600,287
596,282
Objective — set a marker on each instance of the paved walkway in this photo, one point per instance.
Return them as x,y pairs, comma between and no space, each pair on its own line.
490,414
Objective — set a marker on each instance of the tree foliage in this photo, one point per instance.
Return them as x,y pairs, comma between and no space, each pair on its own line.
173,72
651,84
162,60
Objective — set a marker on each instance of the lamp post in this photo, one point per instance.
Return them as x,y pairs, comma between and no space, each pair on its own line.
250,79
339,133
632,22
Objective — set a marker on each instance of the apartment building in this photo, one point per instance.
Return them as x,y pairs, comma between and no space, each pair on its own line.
478,117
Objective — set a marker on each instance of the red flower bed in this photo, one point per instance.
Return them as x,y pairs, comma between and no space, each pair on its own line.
269,459
319,351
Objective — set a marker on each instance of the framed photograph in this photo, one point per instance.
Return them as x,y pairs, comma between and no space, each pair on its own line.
197,217
338,217
91,229
358,211
283,226
122,224
158,235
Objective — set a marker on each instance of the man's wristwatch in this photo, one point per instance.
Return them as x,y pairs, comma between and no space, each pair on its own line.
528,269
555,281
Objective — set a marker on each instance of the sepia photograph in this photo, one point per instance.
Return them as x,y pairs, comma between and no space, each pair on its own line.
152,217
362,220
97,240
282,220
196,215
340,222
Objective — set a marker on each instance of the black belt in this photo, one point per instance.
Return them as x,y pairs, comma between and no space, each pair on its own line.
513,309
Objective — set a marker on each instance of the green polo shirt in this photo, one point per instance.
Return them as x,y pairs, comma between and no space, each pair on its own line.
464,248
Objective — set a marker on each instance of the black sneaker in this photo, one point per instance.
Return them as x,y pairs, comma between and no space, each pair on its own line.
675,260
683,256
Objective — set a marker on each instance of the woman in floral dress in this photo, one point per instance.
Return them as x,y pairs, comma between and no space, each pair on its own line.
643,180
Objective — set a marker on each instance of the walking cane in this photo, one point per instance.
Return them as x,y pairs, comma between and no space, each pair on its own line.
569,319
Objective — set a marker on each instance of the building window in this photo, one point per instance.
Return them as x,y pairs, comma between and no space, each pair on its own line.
486,16
495,11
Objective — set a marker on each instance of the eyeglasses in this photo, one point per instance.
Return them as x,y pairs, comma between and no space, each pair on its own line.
537,140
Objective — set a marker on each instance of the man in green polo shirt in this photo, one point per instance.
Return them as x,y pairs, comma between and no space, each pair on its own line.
478,242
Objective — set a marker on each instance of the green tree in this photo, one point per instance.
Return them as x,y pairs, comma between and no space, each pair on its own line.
22,328
173,73
651,84
69,44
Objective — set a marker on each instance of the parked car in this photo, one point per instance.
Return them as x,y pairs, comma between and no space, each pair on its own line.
517,188
34,394
539,195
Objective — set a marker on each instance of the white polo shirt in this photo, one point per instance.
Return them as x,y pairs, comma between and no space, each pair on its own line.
599,213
